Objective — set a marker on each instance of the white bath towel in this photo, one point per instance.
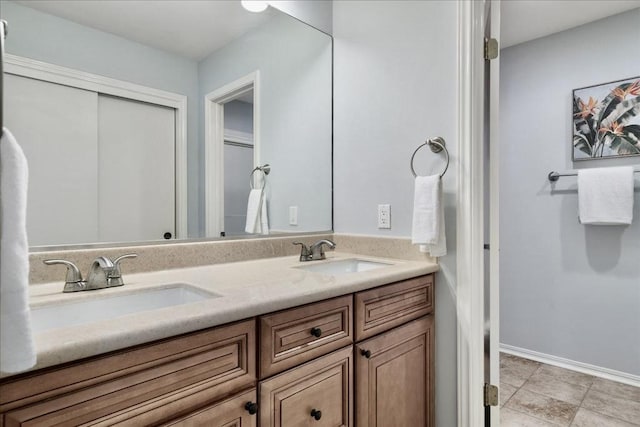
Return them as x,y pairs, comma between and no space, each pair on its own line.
257,220
428,228
605,195
17,350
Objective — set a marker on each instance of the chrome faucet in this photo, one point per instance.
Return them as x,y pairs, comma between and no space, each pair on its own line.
316,251
103,274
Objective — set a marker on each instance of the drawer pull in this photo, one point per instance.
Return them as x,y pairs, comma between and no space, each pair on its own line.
251,407
365,353
316,414
316,332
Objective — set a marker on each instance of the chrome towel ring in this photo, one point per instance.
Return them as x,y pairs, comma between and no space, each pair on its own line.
265,169
437,145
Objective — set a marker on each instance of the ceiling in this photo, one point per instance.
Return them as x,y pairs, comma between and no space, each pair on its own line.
194,28
524,20
190,28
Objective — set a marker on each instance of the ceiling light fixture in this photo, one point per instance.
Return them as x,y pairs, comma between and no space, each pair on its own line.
254,5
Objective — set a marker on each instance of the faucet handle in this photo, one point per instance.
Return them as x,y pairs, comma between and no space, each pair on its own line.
73,281
305,252
116,262
115,274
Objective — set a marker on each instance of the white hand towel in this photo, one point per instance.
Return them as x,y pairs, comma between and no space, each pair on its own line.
605,195
264,219
428,229
254,209
17,349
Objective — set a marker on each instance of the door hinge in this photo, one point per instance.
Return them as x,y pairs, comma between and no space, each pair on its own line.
491,395
491,49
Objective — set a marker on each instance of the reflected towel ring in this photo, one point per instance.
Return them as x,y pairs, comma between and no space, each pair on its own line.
437,145
265,169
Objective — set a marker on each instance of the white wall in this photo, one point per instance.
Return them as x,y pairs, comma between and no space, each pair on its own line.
317,13
395,85
295,121
567,290
47,38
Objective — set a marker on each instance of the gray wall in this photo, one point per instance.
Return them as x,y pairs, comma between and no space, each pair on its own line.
566,290
45,37
295,123
395,85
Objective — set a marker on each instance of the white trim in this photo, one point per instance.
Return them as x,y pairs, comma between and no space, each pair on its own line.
214,144
470,214
494,213
585,368
240,137
45,71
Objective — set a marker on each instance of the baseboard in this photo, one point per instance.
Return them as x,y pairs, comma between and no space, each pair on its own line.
585,368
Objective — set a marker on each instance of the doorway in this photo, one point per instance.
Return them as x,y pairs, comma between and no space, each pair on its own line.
232,150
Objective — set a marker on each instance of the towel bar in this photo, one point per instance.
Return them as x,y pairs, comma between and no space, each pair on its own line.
437,145
554,176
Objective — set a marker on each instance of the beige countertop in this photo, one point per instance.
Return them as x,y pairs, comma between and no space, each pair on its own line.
244,289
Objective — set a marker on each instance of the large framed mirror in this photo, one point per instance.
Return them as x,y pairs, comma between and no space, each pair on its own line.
154,120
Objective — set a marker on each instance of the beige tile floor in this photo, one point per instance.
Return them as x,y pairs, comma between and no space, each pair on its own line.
533,394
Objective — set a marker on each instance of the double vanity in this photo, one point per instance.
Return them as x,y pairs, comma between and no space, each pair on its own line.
273,342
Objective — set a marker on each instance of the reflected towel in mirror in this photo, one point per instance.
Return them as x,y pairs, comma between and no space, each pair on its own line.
257,220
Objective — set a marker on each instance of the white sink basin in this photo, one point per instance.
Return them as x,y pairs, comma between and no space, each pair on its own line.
105,307
345,266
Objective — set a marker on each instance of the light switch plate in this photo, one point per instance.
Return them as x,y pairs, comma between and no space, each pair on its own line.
293,215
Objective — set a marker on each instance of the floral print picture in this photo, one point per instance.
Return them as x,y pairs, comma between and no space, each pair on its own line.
606,120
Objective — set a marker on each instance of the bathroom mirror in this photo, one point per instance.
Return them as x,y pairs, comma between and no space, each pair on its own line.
143,120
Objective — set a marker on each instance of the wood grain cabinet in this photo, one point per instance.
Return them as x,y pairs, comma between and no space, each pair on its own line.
144,385
306,371
394,377
318,393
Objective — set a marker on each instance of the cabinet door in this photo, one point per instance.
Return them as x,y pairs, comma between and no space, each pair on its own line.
228,413
317,393
394,377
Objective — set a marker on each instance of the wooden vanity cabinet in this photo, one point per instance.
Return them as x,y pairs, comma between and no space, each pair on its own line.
147,384
310,371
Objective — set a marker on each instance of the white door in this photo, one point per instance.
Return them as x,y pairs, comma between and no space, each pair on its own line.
56,127
136,170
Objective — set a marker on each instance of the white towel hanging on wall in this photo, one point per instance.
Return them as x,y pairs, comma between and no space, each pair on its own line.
17,349
605,196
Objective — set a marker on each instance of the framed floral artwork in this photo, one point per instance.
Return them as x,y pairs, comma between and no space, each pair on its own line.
606,120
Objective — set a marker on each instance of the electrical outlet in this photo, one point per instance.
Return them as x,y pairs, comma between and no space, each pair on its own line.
293,215
384,216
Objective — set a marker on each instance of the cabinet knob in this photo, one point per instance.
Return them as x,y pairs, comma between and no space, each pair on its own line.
251,407
316,414
167,235
316,332
365,353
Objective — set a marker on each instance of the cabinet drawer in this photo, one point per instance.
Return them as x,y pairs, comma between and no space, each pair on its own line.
112,389
287,337
380,309
228,413
324,385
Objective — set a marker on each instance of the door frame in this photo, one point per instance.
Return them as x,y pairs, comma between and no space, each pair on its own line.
472,16
40,70
214,145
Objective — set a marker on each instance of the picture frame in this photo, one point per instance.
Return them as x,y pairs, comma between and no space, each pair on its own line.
606,120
